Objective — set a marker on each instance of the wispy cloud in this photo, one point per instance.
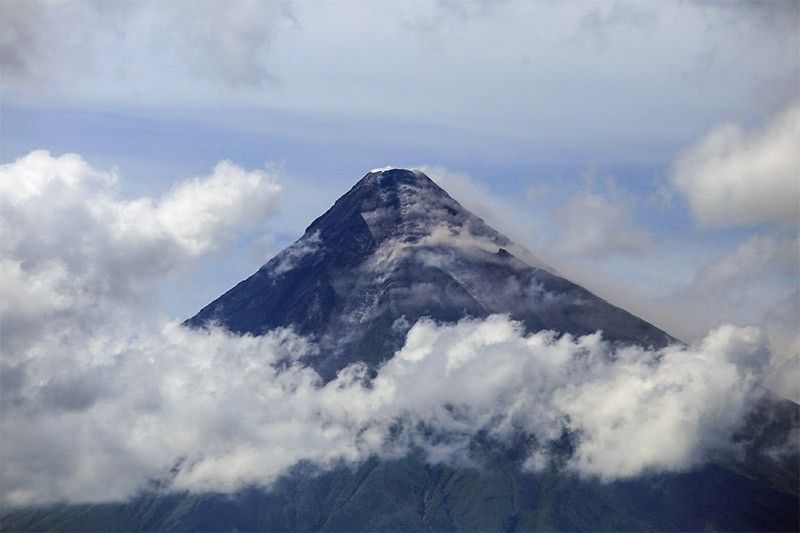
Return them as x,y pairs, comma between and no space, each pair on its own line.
146,44
431,69
599,223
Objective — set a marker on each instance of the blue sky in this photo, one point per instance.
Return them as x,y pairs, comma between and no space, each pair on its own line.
564,124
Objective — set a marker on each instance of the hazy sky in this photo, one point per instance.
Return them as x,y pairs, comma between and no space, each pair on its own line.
156,153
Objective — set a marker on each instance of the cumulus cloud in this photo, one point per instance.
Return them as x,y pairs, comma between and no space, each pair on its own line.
486,375
73,250
98,419
79,265
733,177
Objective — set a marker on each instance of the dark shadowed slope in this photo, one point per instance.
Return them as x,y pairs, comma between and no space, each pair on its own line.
393,249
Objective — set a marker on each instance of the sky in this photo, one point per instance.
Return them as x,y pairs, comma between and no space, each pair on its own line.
156,153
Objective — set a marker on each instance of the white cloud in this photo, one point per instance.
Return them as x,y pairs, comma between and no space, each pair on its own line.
202,212
73,250
625,409
733,177
95,419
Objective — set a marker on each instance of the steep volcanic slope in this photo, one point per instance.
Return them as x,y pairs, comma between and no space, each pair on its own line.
396,248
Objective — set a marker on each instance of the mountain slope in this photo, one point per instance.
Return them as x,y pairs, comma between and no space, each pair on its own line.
408,494
396,248
393,249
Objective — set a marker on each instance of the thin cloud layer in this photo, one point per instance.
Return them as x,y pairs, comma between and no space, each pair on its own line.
147,44
598,225
431,68
733,177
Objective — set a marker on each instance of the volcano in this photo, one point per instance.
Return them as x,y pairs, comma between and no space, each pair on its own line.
392,250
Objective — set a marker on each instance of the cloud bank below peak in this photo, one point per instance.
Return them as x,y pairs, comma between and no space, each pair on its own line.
100,418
